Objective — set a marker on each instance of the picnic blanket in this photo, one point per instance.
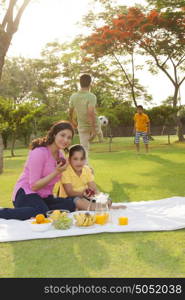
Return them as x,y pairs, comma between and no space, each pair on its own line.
157,215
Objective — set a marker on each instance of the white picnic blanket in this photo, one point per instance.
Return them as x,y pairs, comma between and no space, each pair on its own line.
157,215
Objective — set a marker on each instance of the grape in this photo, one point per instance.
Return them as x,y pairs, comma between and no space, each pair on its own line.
63,223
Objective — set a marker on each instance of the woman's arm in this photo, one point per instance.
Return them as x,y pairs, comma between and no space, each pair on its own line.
44,181
70,192
37,161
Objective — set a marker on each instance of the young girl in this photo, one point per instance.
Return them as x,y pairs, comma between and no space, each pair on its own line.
33,191
78,177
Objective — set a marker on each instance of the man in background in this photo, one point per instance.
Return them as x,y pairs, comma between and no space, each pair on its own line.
83,104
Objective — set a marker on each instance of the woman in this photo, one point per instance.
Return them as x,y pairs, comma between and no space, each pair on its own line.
33,192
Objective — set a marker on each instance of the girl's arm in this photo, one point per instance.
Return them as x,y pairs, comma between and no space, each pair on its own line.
70,192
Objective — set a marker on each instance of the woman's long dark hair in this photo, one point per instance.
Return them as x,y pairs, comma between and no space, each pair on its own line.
50,137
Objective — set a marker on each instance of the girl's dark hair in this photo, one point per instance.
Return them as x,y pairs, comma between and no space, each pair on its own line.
50,137
77,148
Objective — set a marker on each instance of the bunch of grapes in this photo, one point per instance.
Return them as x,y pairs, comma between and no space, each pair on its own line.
63,222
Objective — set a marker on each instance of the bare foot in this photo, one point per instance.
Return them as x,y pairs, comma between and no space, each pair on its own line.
119,206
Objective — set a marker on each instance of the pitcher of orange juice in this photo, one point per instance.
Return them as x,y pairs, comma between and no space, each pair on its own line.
102,209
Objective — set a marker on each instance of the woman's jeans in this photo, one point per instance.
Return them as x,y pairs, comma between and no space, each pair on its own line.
29,205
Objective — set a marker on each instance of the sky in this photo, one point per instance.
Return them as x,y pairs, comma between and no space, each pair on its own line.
47,20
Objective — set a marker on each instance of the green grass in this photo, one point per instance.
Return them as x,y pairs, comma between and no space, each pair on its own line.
127,177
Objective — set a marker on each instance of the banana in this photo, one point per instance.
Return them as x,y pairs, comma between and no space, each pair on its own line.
84,219
89,221
80,219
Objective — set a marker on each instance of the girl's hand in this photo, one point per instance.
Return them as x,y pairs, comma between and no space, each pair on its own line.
61,168
85,194
89,192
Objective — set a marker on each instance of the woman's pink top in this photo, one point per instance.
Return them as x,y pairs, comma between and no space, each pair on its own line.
39,164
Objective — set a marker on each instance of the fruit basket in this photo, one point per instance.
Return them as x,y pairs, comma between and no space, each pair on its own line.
61,219
40,223
55,214
84,219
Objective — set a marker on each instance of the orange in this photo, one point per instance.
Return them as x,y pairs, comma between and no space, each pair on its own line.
40,218
47,221
123,221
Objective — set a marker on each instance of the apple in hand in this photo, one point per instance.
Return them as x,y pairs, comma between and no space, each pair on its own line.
89,192
61,160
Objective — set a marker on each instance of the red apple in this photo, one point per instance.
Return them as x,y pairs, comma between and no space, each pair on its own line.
90,192
61,160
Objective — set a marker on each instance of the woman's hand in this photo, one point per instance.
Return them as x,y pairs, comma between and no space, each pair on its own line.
39,184
61,168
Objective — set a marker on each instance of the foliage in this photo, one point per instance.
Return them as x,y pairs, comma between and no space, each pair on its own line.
157,34
170,4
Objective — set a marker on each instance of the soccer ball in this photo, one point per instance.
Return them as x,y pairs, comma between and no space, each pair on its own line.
103,121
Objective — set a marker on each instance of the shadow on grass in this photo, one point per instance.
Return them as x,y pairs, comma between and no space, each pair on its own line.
158,159
155,255
69,257
9,156
119,194
167,175
170,174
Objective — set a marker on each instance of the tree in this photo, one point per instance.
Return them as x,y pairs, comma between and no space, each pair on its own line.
121,57
159,35
19,80
170,4
8,27
20,121
69,62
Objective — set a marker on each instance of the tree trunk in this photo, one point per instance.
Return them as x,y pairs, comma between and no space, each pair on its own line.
7,29
13,144
177,118
5,40
1,64
133,95
175,96
5,140
26,140
169,139
1,154
180,129
163,128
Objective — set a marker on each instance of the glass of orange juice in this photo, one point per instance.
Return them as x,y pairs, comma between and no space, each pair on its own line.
102,209
122,221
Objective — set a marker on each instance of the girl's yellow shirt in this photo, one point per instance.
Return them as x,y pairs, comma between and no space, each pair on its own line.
79,183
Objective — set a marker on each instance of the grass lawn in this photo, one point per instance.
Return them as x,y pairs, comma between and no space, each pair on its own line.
127,177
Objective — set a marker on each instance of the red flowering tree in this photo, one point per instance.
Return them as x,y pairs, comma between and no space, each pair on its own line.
160,35
104,42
